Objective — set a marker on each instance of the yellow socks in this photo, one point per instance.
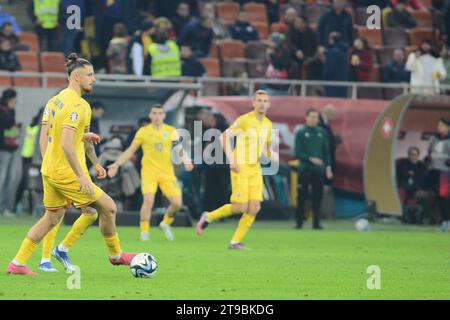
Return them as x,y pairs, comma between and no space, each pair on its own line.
145,226
49,242
78,229
222,212
113,244
26,250
245,223
168,220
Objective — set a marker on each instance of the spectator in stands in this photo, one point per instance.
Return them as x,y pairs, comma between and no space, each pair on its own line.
8,58
168,8
9,142
288,19
312,150
6,17
445,56
399,17
365,3
198,35
69,36
219,29
439,169
360,60
426,70
336,20
181,17
273,10
314,65
117,50
164,59
238,88
46,14
190,65
336,65
302,41
395,71
138,48
279,63
242,29
411,4
7,33
164,25
98,111
446,22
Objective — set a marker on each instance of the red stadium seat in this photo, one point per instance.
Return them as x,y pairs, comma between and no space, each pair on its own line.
314,12
53,62
417,35
27,82
424,18
214,50
6,81
372,35
256,12
28,60
57,82
231,66
276,27
212,66
231,49
255,50
395,37
228,12
263,29
30,39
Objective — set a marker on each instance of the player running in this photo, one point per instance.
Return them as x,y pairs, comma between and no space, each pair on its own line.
157,140
253,132
64,172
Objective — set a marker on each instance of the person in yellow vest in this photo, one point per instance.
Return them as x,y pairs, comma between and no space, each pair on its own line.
28,149
163,59
46,13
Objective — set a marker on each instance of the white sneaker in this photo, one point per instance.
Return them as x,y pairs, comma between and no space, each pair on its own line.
167,231
145,236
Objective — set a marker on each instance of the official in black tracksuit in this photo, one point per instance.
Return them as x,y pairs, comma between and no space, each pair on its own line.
311,148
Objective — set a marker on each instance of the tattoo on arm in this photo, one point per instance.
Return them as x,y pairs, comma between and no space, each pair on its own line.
90,153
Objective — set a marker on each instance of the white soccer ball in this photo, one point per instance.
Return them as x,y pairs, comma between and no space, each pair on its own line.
143,265
362,224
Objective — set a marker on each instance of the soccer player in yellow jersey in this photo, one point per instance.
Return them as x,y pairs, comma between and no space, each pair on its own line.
64,174
157,140
253,132
89,215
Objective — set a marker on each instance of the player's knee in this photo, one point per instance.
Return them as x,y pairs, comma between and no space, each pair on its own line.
54,217
176,204
241,207
253,209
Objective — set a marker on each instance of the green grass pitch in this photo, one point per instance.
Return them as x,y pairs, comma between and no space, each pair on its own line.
283,264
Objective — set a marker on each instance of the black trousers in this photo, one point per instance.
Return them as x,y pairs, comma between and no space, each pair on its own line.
316,179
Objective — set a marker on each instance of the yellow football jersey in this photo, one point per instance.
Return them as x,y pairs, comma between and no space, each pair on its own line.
65,110
253,136
157,147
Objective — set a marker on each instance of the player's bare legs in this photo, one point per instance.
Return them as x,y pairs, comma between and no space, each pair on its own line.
146,214
176,202
31,241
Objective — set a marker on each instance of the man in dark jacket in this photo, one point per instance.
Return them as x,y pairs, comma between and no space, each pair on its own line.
395,71
8,59
399,17
336,20
242,29
311,149
329,112
336,65
8,145
198,35
190,66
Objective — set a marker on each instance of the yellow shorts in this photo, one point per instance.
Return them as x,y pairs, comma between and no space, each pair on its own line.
246,185
62,194
167,183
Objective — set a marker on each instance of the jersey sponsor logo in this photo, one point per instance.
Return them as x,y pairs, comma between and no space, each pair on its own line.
73,116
